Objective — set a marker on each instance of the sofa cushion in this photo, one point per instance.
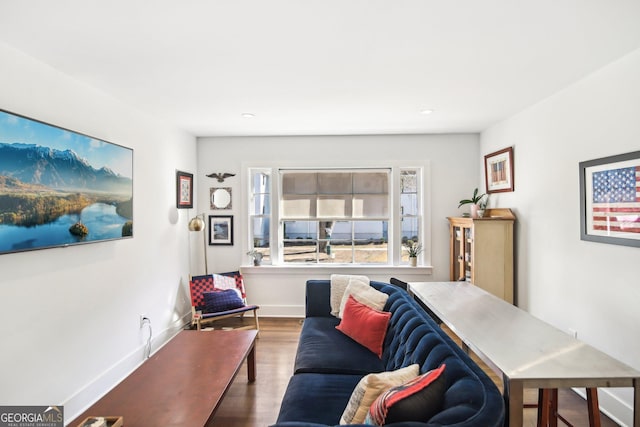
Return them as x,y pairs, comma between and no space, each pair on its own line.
324,349
364,324
339,283
417,400
316,398
363,293
370,387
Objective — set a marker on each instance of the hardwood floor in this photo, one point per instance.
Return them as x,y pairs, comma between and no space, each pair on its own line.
257,404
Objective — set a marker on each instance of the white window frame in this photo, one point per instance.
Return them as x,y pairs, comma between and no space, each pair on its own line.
394,229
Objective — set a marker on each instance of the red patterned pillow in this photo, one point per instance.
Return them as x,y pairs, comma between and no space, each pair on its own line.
365,325
418,400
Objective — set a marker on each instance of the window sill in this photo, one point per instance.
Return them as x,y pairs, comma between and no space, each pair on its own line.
337,269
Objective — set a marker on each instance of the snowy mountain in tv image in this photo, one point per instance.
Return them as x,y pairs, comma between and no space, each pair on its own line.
56,169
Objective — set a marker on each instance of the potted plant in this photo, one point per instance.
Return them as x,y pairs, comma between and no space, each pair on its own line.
473,201
482,206
256,257
414,249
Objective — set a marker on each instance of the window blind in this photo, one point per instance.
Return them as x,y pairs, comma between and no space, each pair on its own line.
335,194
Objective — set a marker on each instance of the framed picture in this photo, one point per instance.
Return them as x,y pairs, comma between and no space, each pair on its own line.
220,197
498,171
184,190
60,188
221,230
610,200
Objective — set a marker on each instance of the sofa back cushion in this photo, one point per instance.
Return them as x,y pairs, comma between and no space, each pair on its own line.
318,297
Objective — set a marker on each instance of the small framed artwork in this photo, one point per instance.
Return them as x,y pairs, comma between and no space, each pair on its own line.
184,190
220,197
221,230
498,171
610,199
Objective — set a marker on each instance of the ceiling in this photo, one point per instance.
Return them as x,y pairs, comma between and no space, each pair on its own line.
325,67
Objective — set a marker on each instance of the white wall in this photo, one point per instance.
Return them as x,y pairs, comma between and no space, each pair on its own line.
592,288
451,162
69,320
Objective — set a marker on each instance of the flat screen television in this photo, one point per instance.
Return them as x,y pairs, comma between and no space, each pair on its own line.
59,187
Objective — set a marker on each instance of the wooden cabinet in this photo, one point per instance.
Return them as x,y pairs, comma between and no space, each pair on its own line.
481,251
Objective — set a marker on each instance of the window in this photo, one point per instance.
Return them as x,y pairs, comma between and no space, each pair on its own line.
409,208
334,216
260,213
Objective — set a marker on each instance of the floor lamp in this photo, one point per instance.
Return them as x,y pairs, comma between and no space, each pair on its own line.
197,224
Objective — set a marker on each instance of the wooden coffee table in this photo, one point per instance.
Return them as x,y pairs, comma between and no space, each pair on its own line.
183,383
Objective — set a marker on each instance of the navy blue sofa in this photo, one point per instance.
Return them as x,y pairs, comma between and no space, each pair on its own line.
329,365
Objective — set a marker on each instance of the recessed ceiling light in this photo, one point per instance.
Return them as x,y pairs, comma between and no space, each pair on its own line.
248,115
426,112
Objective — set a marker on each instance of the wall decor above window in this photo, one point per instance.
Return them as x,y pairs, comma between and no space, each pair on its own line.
59,187
610,199
220,197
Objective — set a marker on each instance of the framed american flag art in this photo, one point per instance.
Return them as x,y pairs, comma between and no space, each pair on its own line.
610,199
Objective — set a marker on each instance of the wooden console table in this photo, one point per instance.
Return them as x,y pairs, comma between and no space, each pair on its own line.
182,384
528,352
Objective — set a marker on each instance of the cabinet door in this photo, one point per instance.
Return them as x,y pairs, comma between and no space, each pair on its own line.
461,246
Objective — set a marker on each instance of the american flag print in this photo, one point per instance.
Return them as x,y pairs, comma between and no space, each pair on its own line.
616,201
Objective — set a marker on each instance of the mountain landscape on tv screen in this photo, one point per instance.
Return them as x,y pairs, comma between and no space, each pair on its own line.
56,169
43,190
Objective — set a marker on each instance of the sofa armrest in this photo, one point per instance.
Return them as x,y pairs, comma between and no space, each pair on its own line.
318,298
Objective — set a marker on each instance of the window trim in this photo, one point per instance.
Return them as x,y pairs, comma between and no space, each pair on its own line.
394,259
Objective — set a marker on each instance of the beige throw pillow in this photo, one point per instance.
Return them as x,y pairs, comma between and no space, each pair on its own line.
363,293
370,387
339,284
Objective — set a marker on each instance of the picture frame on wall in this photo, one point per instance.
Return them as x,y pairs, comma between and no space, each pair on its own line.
498,171
610,199
221,230
184,190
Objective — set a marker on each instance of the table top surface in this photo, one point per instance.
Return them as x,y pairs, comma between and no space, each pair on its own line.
520,345
182,384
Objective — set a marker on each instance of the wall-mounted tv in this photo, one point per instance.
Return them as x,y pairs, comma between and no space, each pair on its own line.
59,187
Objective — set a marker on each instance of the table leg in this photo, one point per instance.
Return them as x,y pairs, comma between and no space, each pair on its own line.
514,401
553,408
636,402
543,407
251,364
593,407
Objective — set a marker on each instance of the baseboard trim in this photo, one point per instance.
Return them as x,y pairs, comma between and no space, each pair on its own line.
98,387
281,311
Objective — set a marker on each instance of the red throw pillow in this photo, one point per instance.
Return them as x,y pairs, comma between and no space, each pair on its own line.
365,325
